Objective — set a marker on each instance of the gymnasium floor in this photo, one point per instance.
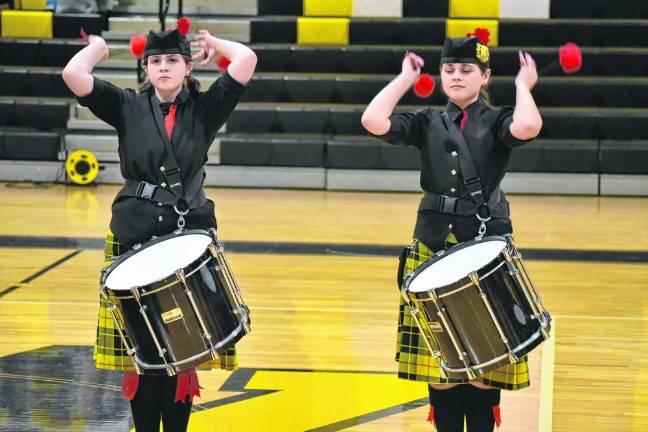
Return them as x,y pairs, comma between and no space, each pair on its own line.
317,270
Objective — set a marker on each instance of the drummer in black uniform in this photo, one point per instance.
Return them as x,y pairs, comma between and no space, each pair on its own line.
457,206
164,132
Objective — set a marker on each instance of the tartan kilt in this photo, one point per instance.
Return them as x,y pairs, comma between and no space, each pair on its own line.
413,357
109,351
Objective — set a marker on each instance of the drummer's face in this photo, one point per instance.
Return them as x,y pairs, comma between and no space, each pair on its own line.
168,71
463,81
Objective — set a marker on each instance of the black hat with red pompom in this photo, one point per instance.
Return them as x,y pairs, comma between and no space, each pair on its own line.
171,42
465,50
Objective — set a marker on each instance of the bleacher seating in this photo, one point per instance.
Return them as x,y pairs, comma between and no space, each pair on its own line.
303,109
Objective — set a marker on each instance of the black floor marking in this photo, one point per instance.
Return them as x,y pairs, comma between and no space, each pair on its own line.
39,273
333,249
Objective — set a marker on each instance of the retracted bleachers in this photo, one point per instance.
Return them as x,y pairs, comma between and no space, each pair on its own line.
34,102
313,91
321,62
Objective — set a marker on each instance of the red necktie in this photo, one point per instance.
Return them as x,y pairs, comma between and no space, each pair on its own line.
462,124
169,120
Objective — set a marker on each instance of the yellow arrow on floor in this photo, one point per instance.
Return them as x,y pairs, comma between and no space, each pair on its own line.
307,400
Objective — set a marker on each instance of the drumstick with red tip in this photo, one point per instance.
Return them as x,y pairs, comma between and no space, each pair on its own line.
424,85
570,60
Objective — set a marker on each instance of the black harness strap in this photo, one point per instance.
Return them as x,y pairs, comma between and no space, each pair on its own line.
457,206
175,194
466,163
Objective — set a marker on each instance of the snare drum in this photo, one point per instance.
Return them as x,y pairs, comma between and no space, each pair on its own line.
175,302
477,307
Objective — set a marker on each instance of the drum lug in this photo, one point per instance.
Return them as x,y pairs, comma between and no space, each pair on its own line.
443,370
180,274
136,294
213,353
512,269
138,369
474,278
512,357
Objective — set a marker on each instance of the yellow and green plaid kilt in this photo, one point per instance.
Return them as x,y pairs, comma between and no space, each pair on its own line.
109,352
413,356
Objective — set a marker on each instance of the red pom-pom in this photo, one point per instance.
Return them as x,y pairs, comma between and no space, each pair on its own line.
571,57
137,44
222,63
424,86
483,34
183,26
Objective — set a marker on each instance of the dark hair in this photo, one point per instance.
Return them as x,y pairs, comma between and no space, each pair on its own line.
483,92
193,85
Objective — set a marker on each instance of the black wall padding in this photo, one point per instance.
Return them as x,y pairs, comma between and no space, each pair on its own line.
295,120
374,60
431,31
281,7
560,123
34,114
586,33
575,92
554,92
370,153
262,151
33,83
52,52
32,145
69,25
634,9
397,31
273,30
425,8
624,157
566,156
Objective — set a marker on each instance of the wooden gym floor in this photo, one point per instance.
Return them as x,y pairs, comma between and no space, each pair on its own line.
317,270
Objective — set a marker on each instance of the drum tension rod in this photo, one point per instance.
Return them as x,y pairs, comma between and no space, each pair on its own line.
180,274
474,278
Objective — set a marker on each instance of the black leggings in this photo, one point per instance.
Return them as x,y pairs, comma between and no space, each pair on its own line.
154,399
450,407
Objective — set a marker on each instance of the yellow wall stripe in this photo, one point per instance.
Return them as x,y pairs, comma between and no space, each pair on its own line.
474,8
322,31
328,8
34,4
27,24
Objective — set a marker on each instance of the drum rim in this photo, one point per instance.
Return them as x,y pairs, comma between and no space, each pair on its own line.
123,257
446,253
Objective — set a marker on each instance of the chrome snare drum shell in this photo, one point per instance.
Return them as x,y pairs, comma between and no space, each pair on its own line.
479,315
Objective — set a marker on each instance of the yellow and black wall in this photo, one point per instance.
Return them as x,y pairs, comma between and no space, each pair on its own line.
344,22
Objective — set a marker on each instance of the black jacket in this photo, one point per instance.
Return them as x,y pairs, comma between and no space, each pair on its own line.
487,133
139,123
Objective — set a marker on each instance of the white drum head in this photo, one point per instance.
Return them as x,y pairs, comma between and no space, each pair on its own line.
457,265
158,261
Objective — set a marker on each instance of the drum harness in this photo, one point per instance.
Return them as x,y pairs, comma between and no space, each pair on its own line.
482,210
175,194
